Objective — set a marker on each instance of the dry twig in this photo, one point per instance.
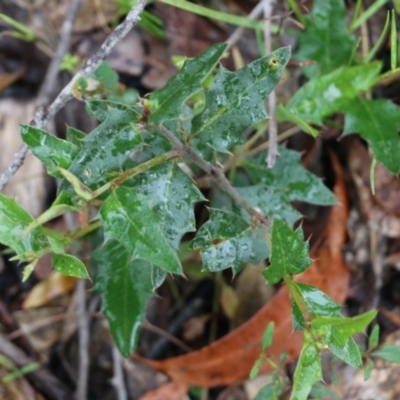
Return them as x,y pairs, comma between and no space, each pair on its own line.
83,323
273,152
118,378
216,172
42,117
41,379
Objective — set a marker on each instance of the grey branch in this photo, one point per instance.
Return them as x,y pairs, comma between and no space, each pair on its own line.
83,323
118,378
216,172
47,87
273,152
42,117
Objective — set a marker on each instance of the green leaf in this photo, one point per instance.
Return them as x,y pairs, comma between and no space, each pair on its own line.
225,241
270,201
125,286
75,136
98,108
128,217
256,368
267,392
337,333
345,327
325,95
53,152
326,38
317,302
308,370
69,265
107,76
106,149
373,340
378,122
236,100
284,114
369,365
290,178
166,103
289,252
320,391
267,336
13,221
172,194
349,352
390,352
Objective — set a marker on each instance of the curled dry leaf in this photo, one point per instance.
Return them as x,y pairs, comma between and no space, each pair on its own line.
48,289
229,360
167,391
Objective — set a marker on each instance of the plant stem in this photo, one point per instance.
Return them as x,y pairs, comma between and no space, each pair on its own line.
124,176
84,231
294,292
216,172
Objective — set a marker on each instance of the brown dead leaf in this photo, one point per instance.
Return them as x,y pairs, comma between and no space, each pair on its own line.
7,79
46,290
229,360
168,391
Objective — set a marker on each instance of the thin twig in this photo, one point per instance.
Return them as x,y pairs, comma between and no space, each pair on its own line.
273,152
47,87
163,333
83,324
41,379
42,117
255,13
215,172
118,379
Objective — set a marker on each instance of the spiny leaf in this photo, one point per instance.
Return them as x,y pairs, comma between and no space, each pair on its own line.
225,241
75,136
53,152
172,194
378,122
343,328
128,217
271,202
289,252
337,333
125,286
289,178
69,265
325,95
326,38
13,221
106,149
317,302
166,103
236,100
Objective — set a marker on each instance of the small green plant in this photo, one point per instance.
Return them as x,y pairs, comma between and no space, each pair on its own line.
20,32
14,372
69,63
